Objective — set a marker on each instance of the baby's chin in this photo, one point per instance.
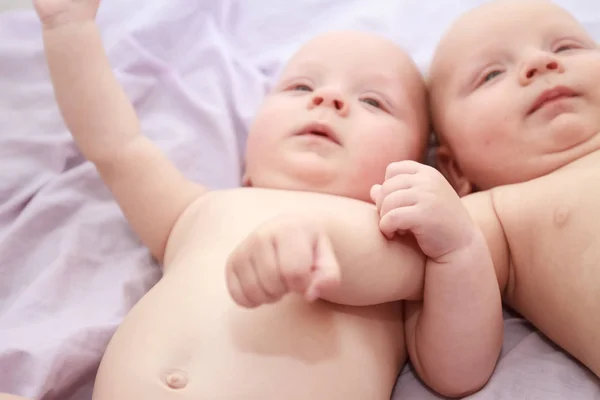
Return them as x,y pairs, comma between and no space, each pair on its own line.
296,185
568,131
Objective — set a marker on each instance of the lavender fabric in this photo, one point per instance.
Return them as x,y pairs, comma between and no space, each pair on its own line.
196,71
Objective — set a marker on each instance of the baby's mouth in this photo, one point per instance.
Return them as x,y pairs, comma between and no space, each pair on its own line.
321,130
551,95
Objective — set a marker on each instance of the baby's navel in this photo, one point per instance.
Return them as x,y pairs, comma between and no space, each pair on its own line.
176,379
561,215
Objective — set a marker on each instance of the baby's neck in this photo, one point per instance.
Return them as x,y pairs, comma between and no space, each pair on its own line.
584,154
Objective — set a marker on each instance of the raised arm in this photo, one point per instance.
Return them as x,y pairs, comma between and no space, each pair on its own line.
454,338
151,192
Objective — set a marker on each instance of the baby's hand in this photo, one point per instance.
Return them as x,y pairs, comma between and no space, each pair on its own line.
287,254
417,198
54,13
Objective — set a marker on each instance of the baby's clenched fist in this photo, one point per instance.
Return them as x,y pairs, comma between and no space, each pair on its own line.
289,253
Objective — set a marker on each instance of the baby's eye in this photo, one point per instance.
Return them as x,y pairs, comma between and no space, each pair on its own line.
565,47
372,102
302,88
491,75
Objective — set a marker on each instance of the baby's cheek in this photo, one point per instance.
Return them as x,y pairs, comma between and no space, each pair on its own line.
392,144
375,156
263,136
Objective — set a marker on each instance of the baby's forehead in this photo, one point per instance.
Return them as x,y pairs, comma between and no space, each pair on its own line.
363,70
374,54
497,25
373,59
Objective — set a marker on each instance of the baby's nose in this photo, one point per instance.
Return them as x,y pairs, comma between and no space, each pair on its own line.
540,64
329,98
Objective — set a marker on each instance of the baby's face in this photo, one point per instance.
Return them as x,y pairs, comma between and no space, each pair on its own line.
347,105
515,93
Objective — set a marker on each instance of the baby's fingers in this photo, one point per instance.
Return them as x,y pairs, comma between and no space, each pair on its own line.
264,261
251,285
406,167
294,257
397,220
235,291
375,194
397,200
242,280
326,271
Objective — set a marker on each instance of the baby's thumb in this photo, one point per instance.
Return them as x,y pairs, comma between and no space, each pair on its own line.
376,196
327,271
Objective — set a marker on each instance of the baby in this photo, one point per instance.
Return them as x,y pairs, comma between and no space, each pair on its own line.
516,105
301,239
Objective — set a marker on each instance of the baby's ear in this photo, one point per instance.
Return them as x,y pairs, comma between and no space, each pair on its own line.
448,166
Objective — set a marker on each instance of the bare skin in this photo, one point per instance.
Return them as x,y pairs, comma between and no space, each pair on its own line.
545,241
289,349
221,325
535,160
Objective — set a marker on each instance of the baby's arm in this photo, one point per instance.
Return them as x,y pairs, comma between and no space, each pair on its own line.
374,270
149,189
324,254
454,337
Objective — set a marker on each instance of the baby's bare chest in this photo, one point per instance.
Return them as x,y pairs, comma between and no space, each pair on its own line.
554,220
215,226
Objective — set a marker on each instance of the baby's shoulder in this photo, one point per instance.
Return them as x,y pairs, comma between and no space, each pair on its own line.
527,197
482,208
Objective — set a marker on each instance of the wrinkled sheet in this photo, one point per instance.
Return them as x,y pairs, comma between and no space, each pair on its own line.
70,267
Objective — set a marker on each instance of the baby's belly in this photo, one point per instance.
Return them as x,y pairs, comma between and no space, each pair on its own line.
187,339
